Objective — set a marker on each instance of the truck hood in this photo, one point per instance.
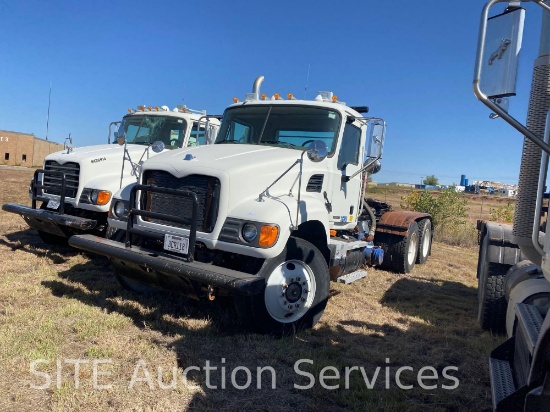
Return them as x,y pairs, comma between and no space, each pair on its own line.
99,153
250,169
235,159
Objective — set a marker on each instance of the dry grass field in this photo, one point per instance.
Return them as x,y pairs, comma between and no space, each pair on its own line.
60,307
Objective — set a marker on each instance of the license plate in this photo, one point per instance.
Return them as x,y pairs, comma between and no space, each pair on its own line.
178,244
53,204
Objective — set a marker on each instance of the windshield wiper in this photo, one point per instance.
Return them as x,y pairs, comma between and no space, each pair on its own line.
228,141
277,142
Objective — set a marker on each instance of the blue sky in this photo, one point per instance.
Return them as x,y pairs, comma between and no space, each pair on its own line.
410,62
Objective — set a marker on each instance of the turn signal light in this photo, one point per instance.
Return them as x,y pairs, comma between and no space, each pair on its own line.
103,197
268,235
332,232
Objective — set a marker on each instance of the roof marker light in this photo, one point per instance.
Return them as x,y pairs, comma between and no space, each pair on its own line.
149,108
264,96
157,108
141,108
277,97
335,99
130,110
235,100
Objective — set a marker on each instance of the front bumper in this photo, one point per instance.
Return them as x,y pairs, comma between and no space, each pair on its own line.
169,271
51,222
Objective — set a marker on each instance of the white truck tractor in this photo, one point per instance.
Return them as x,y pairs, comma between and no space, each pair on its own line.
514,261
269,214
75,186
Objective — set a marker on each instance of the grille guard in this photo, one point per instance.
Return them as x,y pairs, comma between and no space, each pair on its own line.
133,212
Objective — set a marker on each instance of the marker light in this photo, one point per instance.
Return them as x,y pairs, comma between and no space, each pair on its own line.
268,235
100,197
141,108
335,98
149,108
235,100
264,96
157,108
276,96
290,96
130,110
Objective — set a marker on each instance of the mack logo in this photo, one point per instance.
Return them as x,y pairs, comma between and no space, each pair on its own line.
99,159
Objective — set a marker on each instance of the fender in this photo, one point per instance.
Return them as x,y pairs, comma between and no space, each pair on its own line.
500,247
398,222
519,293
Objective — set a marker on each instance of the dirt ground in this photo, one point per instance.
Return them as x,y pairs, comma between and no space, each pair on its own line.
386,342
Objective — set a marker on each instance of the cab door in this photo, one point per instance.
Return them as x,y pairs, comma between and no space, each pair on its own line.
346,195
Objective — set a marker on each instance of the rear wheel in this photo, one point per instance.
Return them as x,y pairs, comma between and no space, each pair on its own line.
296,291
404,252
127,283
492,303
424,240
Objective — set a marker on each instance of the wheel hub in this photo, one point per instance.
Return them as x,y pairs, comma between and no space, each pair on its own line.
290,290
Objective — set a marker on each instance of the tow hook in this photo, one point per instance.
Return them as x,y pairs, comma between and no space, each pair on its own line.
211,293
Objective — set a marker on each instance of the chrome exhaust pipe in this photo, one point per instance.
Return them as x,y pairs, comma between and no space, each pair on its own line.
256,87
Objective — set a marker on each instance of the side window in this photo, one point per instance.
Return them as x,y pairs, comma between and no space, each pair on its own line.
350,147
194,139
240,132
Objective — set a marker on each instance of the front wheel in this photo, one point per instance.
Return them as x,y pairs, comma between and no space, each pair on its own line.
295,294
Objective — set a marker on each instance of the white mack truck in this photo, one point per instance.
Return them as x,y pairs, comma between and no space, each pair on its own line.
514,261
75,186
269,214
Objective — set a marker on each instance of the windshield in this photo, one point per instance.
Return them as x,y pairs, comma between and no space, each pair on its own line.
286,126
148,129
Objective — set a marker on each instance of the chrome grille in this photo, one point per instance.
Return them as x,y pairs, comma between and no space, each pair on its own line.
206,188
52,183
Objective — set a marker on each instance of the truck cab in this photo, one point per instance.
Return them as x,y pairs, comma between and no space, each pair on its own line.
73,191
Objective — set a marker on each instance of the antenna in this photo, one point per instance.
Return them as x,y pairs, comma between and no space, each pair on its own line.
48,119
307,78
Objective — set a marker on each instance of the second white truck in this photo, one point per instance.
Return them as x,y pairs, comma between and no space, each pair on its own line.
72,193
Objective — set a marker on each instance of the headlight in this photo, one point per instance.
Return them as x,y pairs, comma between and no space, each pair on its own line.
250,232
120,210
93,196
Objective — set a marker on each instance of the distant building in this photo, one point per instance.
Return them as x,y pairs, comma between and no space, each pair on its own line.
23,149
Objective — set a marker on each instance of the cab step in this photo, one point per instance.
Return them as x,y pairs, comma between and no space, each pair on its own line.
352,277
509,364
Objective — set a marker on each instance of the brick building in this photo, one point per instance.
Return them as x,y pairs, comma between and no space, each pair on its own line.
23,149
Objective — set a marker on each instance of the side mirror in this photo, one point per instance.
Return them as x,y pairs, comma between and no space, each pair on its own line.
158,146
375,140
499,63
317,151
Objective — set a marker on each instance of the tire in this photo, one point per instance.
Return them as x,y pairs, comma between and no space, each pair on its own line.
286,306
492,303
424,241
404,252
126,282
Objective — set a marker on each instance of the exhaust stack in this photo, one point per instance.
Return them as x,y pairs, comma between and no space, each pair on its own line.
539,104
256,87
